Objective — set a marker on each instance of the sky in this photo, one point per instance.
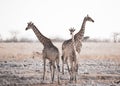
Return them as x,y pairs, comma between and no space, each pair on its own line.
54,17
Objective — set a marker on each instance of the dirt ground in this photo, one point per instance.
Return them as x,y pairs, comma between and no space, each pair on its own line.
21,65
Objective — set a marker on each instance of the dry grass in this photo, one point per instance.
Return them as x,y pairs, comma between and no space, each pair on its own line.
89,50
108,51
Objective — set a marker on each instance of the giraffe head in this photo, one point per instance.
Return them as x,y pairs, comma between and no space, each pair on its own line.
30,25
89,19
71,30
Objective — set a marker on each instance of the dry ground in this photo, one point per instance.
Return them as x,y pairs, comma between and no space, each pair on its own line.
20,65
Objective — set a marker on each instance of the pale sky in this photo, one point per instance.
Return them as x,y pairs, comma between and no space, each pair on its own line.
54,17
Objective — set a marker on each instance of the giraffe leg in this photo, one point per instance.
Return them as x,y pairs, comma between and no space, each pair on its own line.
72,72
58,69
75,72
76,67
68,67
44,69
50,66
53,72
66,61
51,69
75,78
62,57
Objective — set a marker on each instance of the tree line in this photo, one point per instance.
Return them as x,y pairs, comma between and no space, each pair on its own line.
13,38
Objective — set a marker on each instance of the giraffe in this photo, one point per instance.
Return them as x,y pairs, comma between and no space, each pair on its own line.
73,58
49,52
66,46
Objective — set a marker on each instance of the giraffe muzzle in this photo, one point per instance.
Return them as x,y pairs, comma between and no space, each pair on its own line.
92,20
26,29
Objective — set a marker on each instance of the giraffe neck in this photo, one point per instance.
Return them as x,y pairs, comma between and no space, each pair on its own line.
80,34
44,40
73,39
73,42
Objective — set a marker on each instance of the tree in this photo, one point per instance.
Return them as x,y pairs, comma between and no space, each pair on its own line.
1,38
115,36
86,38
14,36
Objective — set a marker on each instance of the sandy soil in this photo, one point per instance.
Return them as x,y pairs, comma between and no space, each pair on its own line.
21,65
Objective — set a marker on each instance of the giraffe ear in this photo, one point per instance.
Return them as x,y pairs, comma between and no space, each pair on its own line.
74,29
28,22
